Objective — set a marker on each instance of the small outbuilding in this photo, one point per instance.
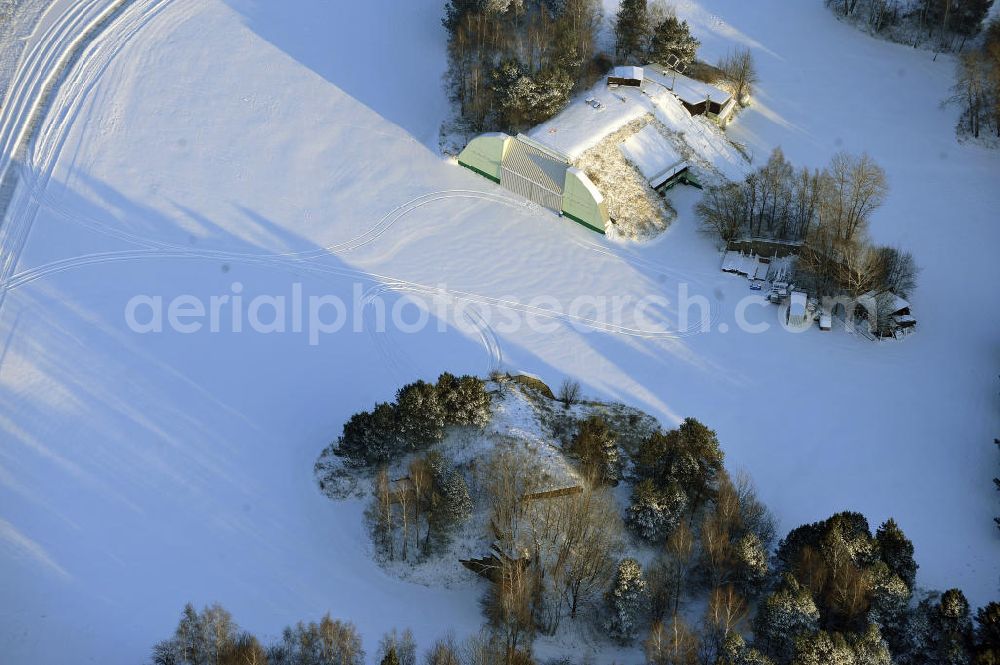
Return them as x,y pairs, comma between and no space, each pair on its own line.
626,76
698,97
798,313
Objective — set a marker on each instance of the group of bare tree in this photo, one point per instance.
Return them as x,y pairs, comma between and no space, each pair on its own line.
555,554
944,24
977,86
740,71
774,202
514,62
414,515
725,555
211,637
826,212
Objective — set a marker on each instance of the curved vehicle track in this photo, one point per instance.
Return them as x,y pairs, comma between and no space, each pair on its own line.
42,70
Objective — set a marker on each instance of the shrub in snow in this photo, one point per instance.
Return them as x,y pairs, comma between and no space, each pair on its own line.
625,601
569,392
736,652
751,564
454,505
596,446
822,649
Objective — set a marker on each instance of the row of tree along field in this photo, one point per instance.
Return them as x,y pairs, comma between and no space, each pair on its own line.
948,25
977,86
942,24
515,63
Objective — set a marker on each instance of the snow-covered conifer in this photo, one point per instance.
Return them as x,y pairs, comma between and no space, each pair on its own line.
625,599
419,415
788,613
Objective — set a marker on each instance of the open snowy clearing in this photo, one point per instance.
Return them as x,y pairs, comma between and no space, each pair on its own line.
200,143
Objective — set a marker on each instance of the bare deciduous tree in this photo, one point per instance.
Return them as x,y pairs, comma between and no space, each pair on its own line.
741,72
726,613
569,392
673,643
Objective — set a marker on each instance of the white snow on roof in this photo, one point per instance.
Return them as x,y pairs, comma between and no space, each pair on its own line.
797,304
688,89
586,182
580,127
651,152
748,265
627,73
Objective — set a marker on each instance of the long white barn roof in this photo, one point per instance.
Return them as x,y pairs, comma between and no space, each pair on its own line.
652,154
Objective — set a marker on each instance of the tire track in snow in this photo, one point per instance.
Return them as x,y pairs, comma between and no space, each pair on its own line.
65,48
127,256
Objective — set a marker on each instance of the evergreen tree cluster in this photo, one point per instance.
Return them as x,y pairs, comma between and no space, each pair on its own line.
677,472
653,33
415,421
625,600
513,63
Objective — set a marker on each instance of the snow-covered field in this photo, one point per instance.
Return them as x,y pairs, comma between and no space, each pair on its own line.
202,143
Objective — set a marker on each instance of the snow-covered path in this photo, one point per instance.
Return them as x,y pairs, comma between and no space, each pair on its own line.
224,142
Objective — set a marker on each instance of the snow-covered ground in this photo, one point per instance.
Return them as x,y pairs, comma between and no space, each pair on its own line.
203,143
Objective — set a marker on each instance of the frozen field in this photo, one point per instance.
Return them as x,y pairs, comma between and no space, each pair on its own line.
202,143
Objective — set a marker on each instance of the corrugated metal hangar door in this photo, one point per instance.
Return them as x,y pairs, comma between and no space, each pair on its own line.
534,174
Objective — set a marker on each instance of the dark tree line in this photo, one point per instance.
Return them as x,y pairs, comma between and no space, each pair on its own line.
949,23
845,595
977,86
647,32
513,63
